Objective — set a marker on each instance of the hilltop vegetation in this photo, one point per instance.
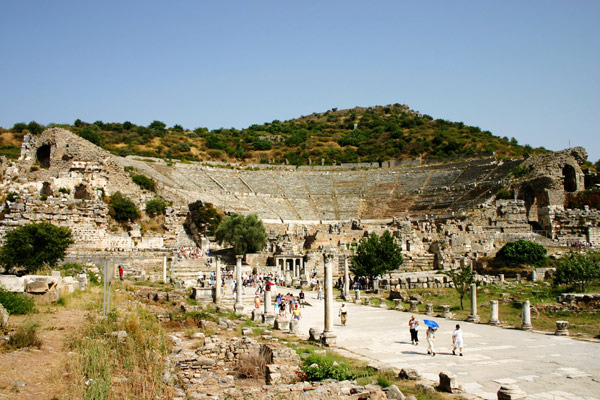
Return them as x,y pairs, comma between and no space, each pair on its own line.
335,136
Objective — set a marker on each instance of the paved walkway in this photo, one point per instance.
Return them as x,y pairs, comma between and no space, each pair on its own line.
546,367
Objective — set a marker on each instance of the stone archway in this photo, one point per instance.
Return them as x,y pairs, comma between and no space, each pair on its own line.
569,178
43,155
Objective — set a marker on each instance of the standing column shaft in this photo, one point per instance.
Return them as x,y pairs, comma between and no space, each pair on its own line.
267,305
238,286
165,269
328,292
526,325
494,312
473,316
346,280
217,281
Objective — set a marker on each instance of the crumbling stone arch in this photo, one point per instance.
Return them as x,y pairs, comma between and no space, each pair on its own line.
43,155
569,178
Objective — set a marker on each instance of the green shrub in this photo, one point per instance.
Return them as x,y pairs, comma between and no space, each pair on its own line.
16,303
64,190
12,196
318,367
144,182
520,171
122,208
155,207
25,336
384,381
504,194
522,252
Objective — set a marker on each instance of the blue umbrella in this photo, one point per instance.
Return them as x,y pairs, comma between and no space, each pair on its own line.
430,323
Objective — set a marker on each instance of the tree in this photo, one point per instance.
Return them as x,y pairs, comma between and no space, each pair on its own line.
35,128
122,208
462,278
155,207
19,127
578,268
33,246
245,234
522,252
205,217
376,255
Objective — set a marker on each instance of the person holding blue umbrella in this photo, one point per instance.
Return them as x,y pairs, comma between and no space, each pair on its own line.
432,327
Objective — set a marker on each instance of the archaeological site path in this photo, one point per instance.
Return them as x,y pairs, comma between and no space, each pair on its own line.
543,365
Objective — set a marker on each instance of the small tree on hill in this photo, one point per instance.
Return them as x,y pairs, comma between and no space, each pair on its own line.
244,234
522,252
155,207
33,246
122,208
462,278
376,255
580,269
144,182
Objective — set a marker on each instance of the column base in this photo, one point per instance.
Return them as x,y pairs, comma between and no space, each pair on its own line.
268,319
238,307
526,327
328,339
494,322
472,318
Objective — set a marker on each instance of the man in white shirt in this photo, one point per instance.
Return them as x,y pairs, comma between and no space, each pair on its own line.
457,340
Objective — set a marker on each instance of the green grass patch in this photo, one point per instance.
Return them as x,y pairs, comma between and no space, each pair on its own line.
16,303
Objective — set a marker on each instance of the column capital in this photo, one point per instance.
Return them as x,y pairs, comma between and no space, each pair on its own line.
239,257
328,257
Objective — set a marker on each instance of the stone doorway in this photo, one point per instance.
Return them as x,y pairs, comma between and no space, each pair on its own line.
43,156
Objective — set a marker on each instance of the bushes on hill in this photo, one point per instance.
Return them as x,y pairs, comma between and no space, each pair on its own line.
122,208
144,182
522,252
155,207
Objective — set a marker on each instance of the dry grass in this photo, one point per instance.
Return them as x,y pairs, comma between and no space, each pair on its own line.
251,366
25,336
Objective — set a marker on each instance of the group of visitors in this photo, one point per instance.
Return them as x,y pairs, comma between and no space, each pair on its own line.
190,253
288,303
457,336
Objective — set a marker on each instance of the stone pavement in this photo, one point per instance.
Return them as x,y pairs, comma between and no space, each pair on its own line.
545,366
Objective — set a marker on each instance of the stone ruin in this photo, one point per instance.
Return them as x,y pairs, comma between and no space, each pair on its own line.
443,215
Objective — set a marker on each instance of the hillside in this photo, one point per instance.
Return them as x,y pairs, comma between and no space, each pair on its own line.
335,136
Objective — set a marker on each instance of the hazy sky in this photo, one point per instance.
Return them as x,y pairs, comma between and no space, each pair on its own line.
524,69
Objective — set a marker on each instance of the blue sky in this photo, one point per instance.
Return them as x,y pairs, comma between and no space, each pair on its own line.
523,69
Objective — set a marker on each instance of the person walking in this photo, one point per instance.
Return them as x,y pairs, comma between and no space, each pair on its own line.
319,292
430,340
301,298
457,341
120,272
343,314
414,330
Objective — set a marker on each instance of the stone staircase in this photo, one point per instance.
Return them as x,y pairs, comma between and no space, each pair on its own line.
422,262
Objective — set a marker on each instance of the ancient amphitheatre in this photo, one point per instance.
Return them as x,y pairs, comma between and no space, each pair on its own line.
443,215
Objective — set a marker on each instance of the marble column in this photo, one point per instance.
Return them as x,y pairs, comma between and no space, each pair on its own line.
164,269
239,304
328,337
217,297
511,392
346,280
526,325
473,316
494,313
501,278
429,308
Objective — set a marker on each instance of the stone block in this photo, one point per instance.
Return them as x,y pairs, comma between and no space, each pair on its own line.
448,383
393,393
12,283
3,318
409,373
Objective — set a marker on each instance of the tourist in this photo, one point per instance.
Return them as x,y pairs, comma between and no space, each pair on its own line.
319,292
120,272
457,340
343,314
414,330
430,339
297,313
256,302
301,298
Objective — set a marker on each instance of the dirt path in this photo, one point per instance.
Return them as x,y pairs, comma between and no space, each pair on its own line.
39,374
